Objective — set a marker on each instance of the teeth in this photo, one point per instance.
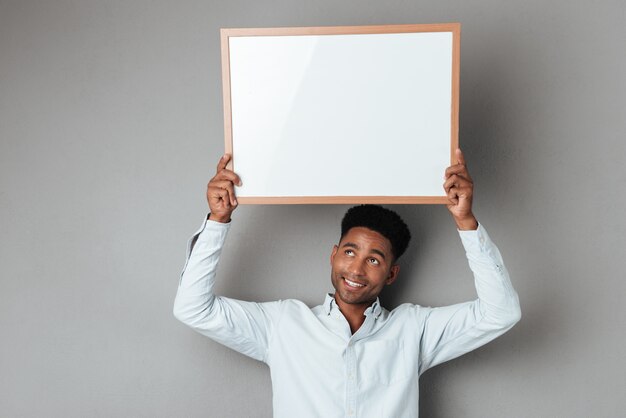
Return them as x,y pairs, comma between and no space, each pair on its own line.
353,284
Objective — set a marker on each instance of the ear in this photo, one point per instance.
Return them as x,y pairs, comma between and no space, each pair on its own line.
393,274
332,254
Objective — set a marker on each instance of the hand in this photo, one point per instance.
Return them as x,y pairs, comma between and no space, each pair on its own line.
221,192
460,189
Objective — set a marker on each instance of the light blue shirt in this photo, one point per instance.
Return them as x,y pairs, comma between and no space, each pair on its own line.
318,367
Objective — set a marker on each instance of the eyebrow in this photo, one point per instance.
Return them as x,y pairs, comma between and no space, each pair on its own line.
374,250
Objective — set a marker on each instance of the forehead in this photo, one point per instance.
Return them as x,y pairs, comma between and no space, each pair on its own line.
365,238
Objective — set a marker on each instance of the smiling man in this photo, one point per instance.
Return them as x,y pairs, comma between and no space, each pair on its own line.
364,261
349,357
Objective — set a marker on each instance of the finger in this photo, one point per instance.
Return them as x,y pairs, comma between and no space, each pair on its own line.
462,192
455,169
456,181
459,156
223,162
222,184
458,170
452,197
456,194
226,174
228,186
216,193
219,197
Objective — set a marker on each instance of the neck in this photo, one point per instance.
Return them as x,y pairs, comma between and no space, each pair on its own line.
354,313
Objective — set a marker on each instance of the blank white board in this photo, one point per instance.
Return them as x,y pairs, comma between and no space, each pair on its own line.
341,115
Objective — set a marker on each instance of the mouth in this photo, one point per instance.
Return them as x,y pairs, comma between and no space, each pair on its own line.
352,284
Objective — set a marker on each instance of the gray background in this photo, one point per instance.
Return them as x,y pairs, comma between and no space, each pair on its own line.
111,125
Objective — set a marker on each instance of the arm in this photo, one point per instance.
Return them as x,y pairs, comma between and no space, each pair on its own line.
243,326
454,330
451,331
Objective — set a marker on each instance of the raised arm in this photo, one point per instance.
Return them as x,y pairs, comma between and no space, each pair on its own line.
451,331
243,326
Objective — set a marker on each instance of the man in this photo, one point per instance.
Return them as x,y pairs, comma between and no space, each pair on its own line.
349,357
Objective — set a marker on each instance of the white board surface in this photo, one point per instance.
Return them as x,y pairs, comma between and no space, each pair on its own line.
351,115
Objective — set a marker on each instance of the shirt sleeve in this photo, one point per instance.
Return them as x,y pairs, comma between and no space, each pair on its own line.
457,329
242,326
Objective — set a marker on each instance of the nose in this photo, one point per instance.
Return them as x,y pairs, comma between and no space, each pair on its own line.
356,268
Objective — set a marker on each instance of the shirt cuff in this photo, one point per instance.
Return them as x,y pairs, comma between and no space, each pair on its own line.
476,240
211,227
209,230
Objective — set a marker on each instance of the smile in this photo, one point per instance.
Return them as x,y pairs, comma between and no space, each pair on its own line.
353,284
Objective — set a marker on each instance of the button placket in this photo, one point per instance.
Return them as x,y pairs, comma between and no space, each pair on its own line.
351,384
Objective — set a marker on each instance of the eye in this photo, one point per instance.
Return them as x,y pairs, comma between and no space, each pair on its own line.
349,253
374,261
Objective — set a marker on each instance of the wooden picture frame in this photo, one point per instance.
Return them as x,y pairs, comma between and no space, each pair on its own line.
342,115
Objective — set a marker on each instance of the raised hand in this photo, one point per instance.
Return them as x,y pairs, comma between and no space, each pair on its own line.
220,192
460,190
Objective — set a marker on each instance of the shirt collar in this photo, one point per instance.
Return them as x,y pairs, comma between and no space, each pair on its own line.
330,304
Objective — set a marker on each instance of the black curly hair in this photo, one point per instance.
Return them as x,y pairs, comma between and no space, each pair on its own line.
379,219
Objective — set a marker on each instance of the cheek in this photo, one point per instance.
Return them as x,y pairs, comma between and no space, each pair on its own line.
340,262
336,267
381,277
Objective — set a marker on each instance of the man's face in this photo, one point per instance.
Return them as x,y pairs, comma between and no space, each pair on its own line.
361,265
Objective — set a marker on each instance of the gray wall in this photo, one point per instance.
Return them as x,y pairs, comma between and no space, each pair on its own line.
110,127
